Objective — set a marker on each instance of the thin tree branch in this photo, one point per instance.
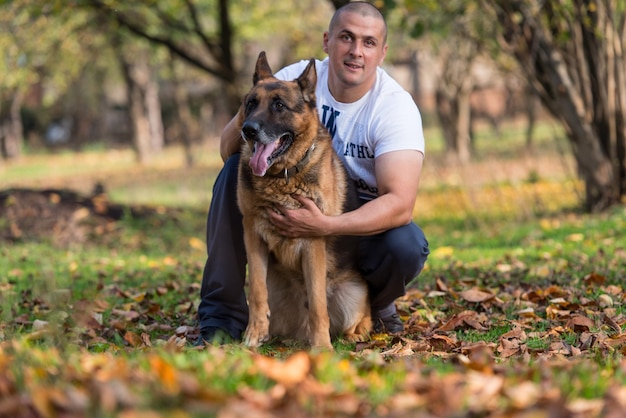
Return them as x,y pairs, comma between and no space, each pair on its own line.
180,50
197,29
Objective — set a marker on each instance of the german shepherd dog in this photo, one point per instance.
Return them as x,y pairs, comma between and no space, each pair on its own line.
306,289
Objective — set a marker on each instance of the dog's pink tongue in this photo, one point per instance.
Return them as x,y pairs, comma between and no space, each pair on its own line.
260,159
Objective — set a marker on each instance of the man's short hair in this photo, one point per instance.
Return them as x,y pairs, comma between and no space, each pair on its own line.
364,9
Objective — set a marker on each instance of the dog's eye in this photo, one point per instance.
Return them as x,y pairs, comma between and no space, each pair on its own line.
279,106
250,105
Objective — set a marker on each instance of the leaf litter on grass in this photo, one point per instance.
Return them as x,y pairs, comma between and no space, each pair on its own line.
509,347
511,337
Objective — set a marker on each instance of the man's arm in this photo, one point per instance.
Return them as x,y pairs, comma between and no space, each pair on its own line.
397,175
230,140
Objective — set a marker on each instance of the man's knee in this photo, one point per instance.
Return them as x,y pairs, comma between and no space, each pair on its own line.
389,261
408,247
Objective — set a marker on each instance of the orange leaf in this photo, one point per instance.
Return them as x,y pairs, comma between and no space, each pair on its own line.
133,339
166,373
42,402
289,372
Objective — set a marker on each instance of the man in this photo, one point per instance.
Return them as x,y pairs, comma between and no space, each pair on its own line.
377,132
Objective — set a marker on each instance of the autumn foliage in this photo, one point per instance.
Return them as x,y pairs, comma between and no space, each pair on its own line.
500,340
515,315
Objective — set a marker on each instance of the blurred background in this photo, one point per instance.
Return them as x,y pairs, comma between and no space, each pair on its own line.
525,98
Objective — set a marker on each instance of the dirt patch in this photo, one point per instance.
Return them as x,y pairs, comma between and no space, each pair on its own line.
63,217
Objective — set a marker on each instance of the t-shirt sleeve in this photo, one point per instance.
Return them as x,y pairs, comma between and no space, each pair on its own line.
292,71
398,125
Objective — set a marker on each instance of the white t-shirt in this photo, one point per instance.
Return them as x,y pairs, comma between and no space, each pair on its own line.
385,119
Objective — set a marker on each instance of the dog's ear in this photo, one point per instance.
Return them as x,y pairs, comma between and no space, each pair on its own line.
308,80
262,69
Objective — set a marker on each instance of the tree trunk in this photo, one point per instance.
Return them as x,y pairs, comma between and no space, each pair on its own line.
464,121
580,79
453,100
447,114
188,127
144,106
153,110
11,130
453,112
530,110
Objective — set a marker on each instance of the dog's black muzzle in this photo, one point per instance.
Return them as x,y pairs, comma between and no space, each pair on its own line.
250,130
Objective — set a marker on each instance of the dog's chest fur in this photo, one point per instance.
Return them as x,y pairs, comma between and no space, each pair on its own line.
260,194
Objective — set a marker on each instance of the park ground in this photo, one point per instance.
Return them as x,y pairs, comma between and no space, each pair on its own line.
519,312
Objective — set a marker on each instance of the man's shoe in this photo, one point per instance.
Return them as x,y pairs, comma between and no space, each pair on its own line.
390,325
387,321
213,336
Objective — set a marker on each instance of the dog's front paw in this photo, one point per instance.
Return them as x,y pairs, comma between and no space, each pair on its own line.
321,342
256,334
355,338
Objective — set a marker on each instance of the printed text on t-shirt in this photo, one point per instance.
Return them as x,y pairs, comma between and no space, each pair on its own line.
329,119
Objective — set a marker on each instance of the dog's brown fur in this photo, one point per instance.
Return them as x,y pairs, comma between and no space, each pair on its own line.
310,286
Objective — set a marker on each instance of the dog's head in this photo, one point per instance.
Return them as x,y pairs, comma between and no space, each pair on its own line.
279,118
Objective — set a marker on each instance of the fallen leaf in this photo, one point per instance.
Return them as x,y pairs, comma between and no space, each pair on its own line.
166,373
476,295
442,342
289,372
132,339
579,323
398,350
442,252
605,301
484,390
523,395
462,320
614,329
575,237
479,356
127,315
39,325
594,279
197,244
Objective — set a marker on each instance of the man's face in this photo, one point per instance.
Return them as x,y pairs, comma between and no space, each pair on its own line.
355,48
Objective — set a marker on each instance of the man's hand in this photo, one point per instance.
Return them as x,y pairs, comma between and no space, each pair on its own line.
306,221
397,175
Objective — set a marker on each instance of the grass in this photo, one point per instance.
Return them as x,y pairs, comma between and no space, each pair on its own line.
98,329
